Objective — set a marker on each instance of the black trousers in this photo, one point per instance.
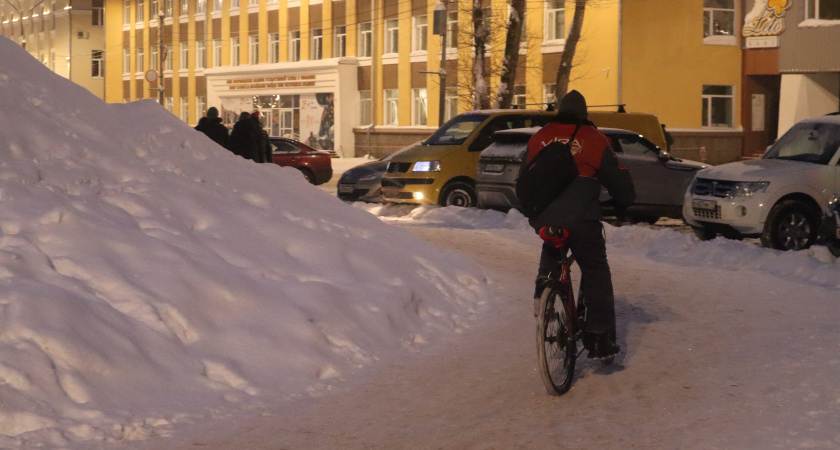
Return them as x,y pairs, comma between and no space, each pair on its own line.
587,243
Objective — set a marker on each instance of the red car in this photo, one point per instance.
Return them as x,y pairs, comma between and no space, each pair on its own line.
315,165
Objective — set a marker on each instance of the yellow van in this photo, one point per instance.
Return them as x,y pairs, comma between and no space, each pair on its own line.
442,169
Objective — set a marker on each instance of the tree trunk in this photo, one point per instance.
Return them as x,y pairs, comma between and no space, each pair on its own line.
507,80
565,68
481,32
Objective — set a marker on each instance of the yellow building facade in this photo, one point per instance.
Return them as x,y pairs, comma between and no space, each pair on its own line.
363,76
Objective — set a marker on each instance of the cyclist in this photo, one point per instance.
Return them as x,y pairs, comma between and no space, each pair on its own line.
574,217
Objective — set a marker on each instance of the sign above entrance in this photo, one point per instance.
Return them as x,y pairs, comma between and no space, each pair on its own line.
767,18
272,82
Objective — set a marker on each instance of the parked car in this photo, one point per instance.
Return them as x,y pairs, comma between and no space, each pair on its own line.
364,182
442,170
780,197
660,179
315,165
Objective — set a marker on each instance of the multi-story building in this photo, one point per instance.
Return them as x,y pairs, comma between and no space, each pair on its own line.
361,76
68,36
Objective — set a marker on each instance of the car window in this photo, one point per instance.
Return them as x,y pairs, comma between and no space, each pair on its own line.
810,141
283,147
634,145
457,130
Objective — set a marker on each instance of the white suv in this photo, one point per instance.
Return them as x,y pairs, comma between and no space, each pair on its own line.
780,197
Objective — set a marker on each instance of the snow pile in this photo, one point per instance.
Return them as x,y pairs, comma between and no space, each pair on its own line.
149,276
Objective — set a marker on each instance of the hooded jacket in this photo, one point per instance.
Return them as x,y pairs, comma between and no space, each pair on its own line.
596,163
213,128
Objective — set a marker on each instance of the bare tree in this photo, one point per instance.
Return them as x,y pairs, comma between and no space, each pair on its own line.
565,68
510,61
481,37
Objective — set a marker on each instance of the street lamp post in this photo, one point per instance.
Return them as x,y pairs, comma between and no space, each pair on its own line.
439,28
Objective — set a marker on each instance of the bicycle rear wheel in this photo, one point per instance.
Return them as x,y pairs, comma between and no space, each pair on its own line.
556,347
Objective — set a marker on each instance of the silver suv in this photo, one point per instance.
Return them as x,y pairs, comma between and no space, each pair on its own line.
780,198
660,179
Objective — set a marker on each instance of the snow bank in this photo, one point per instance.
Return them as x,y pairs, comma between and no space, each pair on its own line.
149,276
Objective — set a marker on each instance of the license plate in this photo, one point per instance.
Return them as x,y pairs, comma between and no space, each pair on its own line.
345,189
494,167
704,204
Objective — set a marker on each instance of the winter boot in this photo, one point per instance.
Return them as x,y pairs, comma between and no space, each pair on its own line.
601,346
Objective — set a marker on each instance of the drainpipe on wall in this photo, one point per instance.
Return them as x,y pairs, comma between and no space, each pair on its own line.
372,75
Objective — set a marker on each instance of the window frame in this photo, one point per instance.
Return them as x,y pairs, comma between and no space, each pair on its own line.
391,107
340,41
365,40
184,56
554,17
294,45
815,14
316,43
234,51
253,49
419,107
392,36
97,64
709,108
200,54
420,33
273,48
365,108
710,37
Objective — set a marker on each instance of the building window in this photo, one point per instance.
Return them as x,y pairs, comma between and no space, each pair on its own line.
253,50
718,104
719,22
185,109
200,55
340,44
200,6
52,17
419,34
316,47
200,106
450,100
452,30
167,58
167,8
217,52
365,40
153,60
216,5
97,18
548,94
391,103
234,4
234,51
126,11
140,13
169,103
392,36
140,57
555,20
273,48
365,108
519,99
153,10
185,7
126,61
419,106
294,45
822,9
185,56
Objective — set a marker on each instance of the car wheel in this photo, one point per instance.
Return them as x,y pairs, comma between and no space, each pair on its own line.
308,176
791,225
458,194
704,234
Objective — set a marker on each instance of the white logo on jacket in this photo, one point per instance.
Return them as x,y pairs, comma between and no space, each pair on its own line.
577,146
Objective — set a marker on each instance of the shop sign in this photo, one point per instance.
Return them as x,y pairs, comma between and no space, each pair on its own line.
285,81
766,19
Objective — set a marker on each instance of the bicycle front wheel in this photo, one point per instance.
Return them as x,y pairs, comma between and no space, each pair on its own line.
556,346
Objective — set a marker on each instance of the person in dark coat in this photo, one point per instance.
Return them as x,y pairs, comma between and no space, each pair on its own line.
243,137
211,125
263,153
573,218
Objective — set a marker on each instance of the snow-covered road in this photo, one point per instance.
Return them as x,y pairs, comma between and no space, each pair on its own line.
710,359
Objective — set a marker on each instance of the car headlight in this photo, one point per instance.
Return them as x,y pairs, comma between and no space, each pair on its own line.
745,188
427,166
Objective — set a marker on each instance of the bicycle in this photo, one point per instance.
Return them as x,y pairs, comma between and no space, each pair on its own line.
561,323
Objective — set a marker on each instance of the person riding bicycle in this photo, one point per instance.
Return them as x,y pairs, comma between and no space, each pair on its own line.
573,218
